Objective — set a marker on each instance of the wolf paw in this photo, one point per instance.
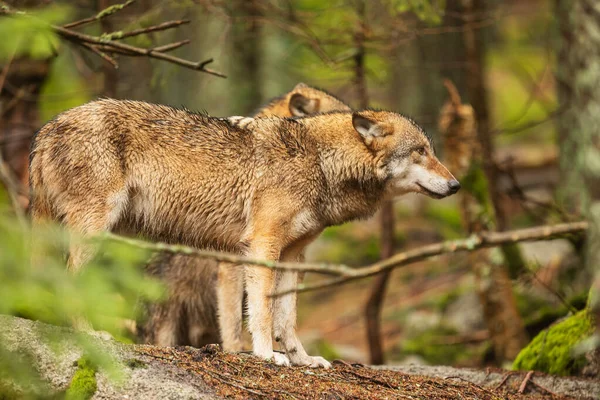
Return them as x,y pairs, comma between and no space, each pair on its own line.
319,362
281,359
313,362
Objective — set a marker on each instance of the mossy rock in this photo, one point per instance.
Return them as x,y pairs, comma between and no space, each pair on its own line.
551,351
83,385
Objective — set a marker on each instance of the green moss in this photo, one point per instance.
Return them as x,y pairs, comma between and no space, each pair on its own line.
551,350
476,184
83,385
514,260
7,392
326,350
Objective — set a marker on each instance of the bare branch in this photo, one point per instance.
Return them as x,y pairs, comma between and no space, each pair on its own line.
327,269
198,66
171,46
345,273
475,242
105,43
155,28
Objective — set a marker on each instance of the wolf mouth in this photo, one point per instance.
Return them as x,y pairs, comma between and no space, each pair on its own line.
431,193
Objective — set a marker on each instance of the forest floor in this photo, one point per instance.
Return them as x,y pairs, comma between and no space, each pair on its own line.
241,376
152,372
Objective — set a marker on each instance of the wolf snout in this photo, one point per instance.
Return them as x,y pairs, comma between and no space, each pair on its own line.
453,186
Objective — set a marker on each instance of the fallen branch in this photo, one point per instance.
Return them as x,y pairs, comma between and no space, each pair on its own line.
327,269
346,274
474,242
106,43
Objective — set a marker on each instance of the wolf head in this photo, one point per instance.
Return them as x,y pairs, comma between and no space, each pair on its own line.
301,101
405,154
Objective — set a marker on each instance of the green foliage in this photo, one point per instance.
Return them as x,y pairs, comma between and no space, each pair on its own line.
551,351
83,385
475,182
446,218
347,245
63,89
440,303
104,293
429,11
30,35
326,350
427,345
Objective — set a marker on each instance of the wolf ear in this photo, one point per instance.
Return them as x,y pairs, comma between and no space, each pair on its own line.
300,85
368,129
301,106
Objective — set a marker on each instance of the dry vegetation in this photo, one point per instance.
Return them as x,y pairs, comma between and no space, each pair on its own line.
240,376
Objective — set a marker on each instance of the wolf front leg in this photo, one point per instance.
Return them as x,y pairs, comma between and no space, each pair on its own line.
260,283
230,295
285,315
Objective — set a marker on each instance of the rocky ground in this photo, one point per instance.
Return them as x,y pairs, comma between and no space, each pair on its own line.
187,373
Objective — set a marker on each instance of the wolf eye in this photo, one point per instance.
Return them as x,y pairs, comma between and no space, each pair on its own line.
421,150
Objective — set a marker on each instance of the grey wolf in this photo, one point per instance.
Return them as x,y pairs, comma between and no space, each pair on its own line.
263,187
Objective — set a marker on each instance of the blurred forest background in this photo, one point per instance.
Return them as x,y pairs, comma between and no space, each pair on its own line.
514,62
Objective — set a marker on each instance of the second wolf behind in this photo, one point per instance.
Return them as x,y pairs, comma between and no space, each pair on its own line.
189,314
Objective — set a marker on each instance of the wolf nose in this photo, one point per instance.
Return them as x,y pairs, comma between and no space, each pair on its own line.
454,186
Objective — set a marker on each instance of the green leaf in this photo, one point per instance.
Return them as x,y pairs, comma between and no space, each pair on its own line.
64,88
30,34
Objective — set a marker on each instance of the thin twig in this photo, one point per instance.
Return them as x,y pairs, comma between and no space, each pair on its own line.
102,14
524,383
12,188
164,48
504,379
559,296
160,27
4,72
472,383
235,385
171,46
101,54
550,392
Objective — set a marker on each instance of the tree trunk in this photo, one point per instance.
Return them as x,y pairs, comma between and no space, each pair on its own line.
386,215
475,57
579,77
110,74
246,58
463,156
23,79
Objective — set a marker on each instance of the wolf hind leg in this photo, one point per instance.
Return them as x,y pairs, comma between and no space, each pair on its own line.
87,217
230,295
